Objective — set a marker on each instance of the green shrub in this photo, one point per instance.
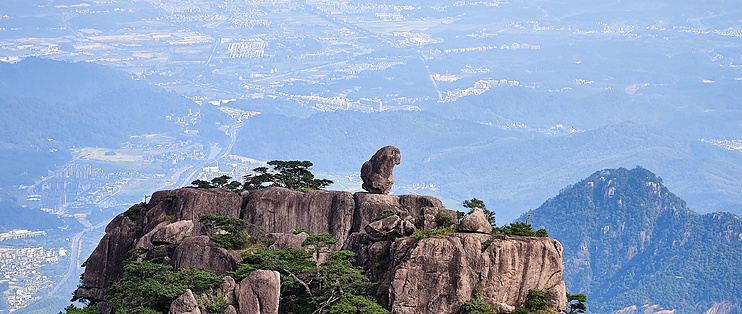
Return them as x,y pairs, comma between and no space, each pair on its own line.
430,233
520,229
148,287
385,214
537,300
235,238
542,233
442,220
477,306
351,303
577,303
231,241
218,305
317,241
520,310
134,211
71,309
285,261
291,174
335,285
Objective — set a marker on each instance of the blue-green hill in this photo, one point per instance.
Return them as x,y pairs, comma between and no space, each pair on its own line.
628,241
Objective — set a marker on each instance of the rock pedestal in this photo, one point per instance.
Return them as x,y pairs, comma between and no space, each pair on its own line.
259,293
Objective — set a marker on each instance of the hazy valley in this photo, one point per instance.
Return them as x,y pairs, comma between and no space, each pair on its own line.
105,102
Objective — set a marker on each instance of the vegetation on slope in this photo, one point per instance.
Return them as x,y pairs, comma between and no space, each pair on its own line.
629,241
290,174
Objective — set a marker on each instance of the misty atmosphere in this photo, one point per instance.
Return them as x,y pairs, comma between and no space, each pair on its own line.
546,111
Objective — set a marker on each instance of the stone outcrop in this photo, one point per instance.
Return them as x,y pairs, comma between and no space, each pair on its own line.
185,304
287,240
434,275
226,289
369,206
165,233
476,221
537,263
376,173
392,226
259,293
203,254
281,210
172,233
437,275
430,275
103,267
189,204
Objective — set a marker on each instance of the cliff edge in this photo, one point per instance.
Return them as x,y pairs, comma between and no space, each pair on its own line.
416,274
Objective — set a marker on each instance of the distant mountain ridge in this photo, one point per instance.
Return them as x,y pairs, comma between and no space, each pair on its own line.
51,106
511,170
631,244
81,104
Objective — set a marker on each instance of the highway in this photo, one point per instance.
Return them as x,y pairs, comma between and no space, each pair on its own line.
75,256
186,176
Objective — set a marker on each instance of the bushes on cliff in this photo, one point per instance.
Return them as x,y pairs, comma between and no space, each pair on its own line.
235,236
385,214
477,306
431,233
334,286
218,182
442,220
148,287
537,300
351,303
292,174
71,309
474,202
134,211
520,229
576,303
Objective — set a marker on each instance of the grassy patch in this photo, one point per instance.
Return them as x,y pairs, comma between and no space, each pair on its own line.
431,233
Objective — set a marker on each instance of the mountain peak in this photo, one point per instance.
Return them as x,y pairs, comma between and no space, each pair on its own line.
613,192
623,228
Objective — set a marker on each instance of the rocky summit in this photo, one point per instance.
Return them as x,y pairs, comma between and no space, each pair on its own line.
415,273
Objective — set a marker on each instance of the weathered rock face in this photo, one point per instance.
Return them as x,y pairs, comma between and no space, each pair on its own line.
369,206
259,293
476,221
437,275
103,267
202,253
189,204
434,275
377,172
281,210
165,233
388,227
172,233
185,304
287,240
226,289
536,263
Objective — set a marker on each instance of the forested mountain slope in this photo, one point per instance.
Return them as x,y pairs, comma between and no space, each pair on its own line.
51,106
629,242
